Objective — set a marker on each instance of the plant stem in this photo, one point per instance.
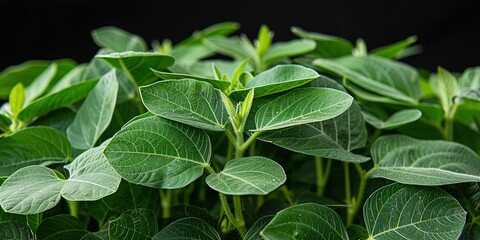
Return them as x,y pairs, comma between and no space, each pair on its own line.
73,208
356,202
165,198
249,141
286,193
237,205
322,174
449,120
348,190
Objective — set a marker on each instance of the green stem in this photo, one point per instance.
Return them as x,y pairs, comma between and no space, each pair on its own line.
230,151
449,120
322,174
357,201
249,141
237,205
73,208
286,193
348,190
165,198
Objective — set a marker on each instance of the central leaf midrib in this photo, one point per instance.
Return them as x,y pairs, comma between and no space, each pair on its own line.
161,155
243,180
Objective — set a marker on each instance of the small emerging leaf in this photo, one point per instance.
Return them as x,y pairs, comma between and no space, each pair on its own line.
17,99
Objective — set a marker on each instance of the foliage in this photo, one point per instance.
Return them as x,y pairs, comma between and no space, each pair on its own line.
222,137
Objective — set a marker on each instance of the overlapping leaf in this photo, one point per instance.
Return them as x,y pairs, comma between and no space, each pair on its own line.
24,73
288,49
247,176
192,102
302,106
118,40
305,221
222,85
424,162
15,230
277,79
188,228
61,227
157,152
400,211
136,224
326,46
397,119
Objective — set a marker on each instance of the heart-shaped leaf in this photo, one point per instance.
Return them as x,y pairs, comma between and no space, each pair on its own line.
61,227
137,64
95,114
35,189
397,119
15,230
157,152
305,221
188,228
382,76
32,146
191,102
57,100
118,40
249,175
136,224
302,106
401,211
424,162
222,85
277,79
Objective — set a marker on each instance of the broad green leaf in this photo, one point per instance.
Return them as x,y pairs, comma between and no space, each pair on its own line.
292,48
72,77
254,231
326,46
40,83
424,162
24,73
264,40
382,76
31,190
186,55
233,47
91,177
396,50
278,79
305,221
401,211
61,227
222,85
135,224
334,138
118,40
445,87
191,102
188,228
137,64
470,79
357,232
15,230
130,196
249,175
397,119
57,100
302,106
95,114
59,119
157,152
33,146
16,99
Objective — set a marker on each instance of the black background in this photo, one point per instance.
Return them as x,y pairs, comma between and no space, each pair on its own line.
449,31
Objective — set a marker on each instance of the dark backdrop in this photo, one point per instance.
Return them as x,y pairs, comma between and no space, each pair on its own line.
448,30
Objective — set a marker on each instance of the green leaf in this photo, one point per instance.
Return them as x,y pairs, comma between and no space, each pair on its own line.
59,119
233,47
135,224
395,120
5,123
61,227
424,162
357,232
264,40
292,48
326,46
302,106
188,228
33,221
222,85
278,79
130,196
400,211
305,221
470,79
445,87
23,73
15,230
157,152
33,146
395,50
16,99
118,40
31,190
57,100
249,175
137,64
218,29
382,76
72,77
254,231
95,114
191,102
91,177
40,84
